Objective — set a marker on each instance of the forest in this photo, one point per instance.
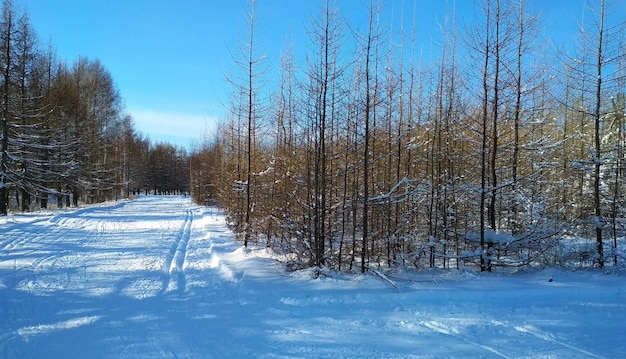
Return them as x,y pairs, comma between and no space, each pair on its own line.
501,150
66,139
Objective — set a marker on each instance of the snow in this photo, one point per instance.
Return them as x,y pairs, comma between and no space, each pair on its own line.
159,277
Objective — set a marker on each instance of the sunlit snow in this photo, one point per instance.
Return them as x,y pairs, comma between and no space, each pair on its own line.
159,277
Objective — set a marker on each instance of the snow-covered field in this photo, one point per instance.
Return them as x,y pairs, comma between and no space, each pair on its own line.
159,277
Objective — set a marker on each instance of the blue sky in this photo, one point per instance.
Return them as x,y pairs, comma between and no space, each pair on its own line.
169,57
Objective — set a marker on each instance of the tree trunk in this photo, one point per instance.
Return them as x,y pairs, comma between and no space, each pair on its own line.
7,13
597,148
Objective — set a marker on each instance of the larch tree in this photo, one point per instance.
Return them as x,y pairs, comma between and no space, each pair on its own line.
7,35
596,78
368,106
485,51
24,166
250,115
245,114
322,73
67,113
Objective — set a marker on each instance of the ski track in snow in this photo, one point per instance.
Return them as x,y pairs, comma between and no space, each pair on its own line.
176,258
530,329
159,277
438,327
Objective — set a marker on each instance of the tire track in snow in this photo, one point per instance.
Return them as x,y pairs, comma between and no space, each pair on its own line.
173,268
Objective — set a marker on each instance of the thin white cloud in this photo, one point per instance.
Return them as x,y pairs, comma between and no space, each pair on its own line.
176,128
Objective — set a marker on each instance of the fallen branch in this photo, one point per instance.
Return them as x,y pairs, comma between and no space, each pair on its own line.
384,277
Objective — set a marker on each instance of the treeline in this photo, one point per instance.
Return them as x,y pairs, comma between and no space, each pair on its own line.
65,138
365,154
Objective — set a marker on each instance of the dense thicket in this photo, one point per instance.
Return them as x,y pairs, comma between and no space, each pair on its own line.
64,136
492,150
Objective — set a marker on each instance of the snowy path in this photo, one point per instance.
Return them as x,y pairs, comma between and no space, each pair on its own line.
159,277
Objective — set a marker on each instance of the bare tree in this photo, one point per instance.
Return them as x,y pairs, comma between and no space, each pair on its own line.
323,74
596,79
597,154
7,28
245,113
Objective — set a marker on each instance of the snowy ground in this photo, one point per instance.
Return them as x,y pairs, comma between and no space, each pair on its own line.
158,277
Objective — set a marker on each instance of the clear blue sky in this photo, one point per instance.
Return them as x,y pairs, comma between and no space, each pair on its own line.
168,57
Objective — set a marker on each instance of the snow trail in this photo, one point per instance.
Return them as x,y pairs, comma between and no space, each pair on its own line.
159,277
174,262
